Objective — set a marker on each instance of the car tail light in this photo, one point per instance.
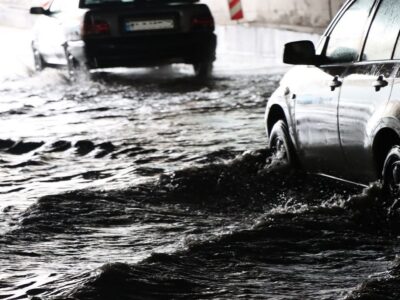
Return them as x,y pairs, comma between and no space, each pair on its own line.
95,27
203,23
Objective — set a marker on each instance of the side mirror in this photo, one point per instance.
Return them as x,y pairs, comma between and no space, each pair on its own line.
300,53
37,11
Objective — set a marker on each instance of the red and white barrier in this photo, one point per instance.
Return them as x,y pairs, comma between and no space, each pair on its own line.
236,10
46,4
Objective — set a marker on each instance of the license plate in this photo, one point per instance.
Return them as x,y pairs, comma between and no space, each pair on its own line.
142,25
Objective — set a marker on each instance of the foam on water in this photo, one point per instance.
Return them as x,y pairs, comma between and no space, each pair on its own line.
151,185
294,234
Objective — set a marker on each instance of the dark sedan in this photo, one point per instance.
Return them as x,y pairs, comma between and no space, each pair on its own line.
94,34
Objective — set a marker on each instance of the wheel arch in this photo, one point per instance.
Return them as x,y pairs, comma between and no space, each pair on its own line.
383,141
275,114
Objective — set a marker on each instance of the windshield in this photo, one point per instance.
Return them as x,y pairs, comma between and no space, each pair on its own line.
88,3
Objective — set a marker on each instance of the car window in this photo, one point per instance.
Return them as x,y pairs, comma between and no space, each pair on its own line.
345,40
384,32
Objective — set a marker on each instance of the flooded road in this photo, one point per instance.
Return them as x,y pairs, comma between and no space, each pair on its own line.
148,184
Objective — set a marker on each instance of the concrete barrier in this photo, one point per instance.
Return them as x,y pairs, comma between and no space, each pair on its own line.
298,15
259,39
245,47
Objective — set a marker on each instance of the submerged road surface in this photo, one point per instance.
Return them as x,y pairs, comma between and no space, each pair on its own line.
151,185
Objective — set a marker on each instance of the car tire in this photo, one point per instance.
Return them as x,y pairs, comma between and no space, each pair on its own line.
38,61
203,69
281,147
391,172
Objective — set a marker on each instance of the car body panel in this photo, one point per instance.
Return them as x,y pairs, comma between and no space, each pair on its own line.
282,98
50,49
360,111
316,119
390,117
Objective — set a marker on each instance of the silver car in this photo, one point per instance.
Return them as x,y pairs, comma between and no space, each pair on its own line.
338,112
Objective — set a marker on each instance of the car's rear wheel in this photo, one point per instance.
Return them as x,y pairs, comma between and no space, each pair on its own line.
280,145
203,69
391,172
38,61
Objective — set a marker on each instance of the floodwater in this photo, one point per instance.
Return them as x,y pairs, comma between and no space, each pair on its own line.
148,184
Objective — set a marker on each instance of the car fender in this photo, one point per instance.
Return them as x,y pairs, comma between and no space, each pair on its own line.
283,98
389,119
385,123
277,99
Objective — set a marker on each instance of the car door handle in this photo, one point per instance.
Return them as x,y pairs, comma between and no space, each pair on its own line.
335,83
380,83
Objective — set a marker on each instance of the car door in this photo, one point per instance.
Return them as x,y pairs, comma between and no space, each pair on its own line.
392,116
366,90
317,96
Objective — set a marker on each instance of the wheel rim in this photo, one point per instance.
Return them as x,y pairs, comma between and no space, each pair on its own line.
279,151
392,177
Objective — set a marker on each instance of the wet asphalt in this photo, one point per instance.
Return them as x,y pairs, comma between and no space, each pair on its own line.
150,184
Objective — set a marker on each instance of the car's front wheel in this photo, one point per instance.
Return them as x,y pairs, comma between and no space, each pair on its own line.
280,145
391,172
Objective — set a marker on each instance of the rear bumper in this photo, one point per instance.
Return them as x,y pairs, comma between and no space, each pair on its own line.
145,51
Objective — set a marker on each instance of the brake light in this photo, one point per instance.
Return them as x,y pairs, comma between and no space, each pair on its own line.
95,27
203,23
